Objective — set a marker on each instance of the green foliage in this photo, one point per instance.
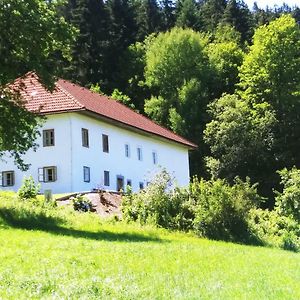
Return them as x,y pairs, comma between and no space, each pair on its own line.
119,96
159,205
288,202
29,189
33,37
81,203
241,137
221,210
274,229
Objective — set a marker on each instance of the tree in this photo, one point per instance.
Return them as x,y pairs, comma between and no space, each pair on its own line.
226,56
148,18
211,13
179,76
241,138
188,15
33,37
271,73
238,15
89,52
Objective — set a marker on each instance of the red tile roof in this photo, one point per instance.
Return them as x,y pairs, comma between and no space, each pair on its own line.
68,96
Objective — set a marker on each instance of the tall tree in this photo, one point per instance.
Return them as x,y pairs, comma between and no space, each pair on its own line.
211,13
179,76
148,18
89,52
238,15
188,14
32,37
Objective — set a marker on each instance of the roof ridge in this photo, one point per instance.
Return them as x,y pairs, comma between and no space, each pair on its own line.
67,93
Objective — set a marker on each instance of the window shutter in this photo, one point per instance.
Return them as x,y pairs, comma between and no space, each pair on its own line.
41,174
55,173
1,179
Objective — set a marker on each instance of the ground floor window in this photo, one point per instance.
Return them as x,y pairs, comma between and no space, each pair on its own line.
8,178
106,178
129,183
86,174
141,185
47,174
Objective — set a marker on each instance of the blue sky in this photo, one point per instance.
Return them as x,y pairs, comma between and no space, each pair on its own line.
264,3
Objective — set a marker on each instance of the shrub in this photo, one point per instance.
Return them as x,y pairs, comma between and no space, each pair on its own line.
160,205
273,229
81,203
221,210
287,203
28,190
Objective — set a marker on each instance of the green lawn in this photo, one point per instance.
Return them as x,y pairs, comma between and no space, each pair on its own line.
84,258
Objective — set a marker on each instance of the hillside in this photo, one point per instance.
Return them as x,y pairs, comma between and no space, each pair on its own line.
56,253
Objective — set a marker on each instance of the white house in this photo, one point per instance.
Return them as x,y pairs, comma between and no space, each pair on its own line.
90,141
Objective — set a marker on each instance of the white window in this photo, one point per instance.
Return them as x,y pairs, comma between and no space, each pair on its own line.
85,137
154,157
106,178
48,137
86,174
127,150
47,174
8,178
139,153
105,144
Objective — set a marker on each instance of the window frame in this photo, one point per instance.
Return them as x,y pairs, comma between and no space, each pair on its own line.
139,153
129,182
42,173
154,157
141,185
86,176
105,143
47,139
4,174
106,179
120,177
85,137
127,150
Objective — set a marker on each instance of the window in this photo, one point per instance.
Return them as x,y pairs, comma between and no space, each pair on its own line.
85,137
120,183
106,178
48,137
129,182
141,185
8,178
105,145
139,153
86,174
127,150
154,157
47,174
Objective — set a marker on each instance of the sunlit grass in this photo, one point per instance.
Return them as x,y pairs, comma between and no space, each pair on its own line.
82,257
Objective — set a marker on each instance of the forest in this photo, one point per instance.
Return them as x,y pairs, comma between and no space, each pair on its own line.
221,74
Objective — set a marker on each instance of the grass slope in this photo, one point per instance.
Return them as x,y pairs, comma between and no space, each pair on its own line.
84,258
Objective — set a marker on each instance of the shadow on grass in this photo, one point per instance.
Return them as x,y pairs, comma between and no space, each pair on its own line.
24,219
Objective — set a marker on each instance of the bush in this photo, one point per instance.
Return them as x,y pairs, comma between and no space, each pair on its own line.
28,190
222,210
81,203
273,229
160,205
287,203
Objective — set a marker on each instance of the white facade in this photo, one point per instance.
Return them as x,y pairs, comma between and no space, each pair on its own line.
69,156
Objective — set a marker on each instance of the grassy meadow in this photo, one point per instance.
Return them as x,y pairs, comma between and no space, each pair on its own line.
55,253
